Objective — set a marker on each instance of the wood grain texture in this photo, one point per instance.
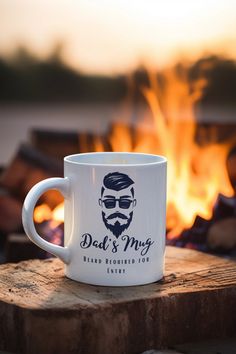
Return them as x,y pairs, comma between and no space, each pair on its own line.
41,311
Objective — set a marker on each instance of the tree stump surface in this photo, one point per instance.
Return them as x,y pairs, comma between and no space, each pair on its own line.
42,311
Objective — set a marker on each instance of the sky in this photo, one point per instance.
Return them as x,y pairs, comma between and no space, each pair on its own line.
113,36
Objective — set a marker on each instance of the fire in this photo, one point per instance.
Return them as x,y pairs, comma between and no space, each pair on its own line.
44,213
196,174
58,213
50,223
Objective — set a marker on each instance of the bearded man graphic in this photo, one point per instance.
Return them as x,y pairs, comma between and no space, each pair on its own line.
117,202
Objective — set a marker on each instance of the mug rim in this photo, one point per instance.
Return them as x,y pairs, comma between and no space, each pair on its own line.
152,159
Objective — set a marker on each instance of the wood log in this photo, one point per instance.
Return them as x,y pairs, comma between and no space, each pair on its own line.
19,248
59,144
231,167
222,235
41,311
214,133
10,213
55,143
28,167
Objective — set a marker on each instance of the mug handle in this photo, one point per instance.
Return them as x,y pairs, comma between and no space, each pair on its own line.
60,184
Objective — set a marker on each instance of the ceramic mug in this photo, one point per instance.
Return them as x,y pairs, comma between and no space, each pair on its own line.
115,217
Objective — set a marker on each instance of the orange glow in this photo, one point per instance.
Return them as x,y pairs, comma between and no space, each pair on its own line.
58,213
120,139
44,213
98,144
196,175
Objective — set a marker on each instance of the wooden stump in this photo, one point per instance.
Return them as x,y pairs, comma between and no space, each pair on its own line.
41,311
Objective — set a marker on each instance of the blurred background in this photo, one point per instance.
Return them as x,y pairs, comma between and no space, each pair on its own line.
148,76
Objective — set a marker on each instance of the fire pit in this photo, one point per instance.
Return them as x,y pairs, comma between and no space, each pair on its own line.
201,172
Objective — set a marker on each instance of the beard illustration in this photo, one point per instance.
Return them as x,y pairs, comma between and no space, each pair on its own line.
118,227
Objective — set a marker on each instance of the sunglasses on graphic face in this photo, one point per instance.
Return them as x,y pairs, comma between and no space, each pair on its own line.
110,203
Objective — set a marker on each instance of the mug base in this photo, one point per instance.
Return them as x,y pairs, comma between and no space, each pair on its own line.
114,282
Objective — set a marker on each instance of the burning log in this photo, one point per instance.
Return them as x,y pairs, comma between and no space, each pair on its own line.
213,133
214,235
218,233
225,207
221,236
41,311
194,237
59,144
55,143
28,167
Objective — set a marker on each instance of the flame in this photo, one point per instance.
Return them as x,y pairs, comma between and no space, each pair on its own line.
44,213
58,213
196,175
50,223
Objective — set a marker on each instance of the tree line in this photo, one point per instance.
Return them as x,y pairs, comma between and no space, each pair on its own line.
25,78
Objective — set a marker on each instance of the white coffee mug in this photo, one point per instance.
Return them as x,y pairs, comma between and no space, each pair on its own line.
115,217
